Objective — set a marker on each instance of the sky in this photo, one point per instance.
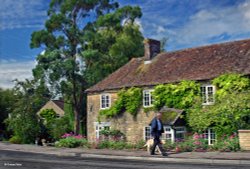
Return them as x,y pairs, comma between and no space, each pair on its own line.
186,24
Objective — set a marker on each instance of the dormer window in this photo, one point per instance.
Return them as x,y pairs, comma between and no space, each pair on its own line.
105,101
207,94
147,98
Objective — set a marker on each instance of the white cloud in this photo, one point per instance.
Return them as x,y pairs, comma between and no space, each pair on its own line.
161,29
21,14
194,23
211,23
11,70
138,22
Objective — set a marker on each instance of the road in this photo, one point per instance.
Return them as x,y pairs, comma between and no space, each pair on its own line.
24,160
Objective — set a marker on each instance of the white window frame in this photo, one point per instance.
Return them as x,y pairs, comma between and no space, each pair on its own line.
147,136
210,136
167,130
206,95
150,99
99,126
181,131
170,131
105,97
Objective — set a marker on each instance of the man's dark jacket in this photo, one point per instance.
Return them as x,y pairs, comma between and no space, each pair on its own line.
154,128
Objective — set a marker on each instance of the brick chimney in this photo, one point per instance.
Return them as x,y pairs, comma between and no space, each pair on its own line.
151,48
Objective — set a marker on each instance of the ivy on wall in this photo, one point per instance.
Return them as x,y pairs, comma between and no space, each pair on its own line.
128,100
180,95
230,83
231,110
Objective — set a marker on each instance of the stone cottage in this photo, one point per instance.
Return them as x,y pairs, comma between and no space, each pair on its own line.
200,64
56,105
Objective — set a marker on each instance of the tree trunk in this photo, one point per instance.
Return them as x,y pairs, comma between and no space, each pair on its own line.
76,122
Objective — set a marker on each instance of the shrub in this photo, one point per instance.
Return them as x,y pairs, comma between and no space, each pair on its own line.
139,144
103,144
72,142
119,145
230,143
112,135
169,145
59,127
15,140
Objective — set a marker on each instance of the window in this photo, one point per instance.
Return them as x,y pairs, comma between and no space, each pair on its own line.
167,135
105,101
147,133
147,98
210,136
180,133
207,94
101,126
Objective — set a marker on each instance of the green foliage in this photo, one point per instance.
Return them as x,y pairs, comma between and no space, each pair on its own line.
48,115
23,121
169,116
112,41
58,127
227,144
230,83
120,145
69,113
231,110
15,140
116,133
117,145
127,101
103,43
181,95
133,100
7,100
148,109
72,142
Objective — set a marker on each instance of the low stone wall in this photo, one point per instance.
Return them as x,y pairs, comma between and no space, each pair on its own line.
244,138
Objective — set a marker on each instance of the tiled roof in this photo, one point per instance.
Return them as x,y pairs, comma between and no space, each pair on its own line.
201,63
59,103
170,115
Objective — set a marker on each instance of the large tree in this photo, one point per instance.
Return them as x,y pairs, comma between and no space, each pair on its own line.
7,100
83,42
23,122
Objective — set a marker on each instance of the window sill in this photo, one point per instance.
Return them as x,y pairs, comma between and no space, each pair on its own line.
207,104
105,108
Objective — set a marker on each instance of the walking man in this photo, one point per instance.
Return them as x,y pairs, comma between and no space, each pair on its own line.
156,131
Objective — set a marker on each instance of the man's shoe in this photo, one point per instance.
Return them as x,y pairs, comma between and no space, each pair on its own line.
152,154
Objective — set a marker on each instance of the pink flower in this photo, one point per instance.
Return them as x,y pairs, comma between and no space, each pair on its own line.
196,136
197,143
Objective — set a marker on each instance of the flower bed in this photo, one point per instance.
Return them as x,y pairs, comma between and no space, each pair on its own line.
71,141
198,143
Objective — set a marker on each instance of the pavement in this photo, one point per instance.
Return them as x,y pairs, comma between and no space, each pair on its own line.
213,158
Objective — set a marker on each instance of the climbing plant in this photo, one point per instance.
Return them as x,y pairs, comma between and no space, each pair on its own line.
128,100
48,114
180,95
230,83
231,110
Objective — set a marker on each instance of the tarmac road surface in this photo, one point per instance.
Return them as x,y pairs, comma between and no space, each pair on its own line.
25,160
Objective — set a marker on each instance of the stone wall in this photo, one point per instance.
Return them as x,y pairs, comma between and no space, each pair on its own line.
132,127
244,138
